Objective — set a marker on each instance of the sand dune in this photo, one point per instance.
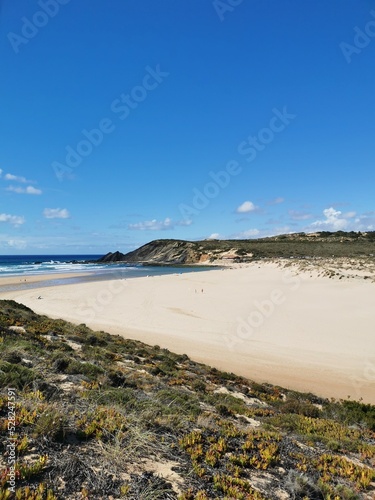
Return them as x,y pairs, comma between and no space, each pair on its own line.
261,321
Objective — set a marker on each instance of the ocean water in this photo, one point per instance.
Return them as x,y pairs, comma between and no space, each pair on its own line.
19,265
23,266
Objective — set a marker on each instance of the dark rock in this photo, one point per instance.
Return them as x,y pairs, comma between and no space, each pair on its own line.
116,379
12,357
49,391
60,365
112,257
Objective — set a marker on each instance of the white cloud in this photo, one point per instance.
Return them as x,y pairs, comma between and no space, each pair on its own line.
295,215
364,222
250,233
157,225
350,221
33,190
185,222
281,230
1,172
27,190
18,244
152,225
246,207
332,222
16,178
56,213
16,220
214,236
277,201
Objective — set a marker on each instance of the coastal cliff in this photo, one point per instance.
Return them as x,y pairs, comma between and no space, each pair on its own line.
159,252
298,245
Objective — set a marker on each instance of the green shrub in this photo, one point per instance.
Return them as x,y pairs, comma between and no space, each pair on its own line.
174,400
52,425
88,369
299,407
199,386
120,396
15,375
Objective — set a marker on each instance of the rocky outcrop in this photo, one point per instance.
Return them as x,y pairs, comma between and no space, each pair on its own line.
159,252
112,257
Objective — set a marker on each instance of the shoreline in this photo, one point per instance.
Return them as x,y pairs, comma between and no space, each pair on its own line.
267,323
37,278
21,282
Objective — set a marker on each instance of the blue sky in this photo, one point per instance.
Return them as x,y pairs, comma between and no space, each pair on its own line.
124,121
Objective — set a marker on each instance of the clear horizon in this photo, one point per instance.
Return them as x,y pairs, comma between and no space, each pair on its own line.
136,121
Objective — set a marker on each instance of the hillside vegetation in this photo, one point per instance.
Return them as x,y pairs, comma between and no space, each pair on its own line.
101,417
299,245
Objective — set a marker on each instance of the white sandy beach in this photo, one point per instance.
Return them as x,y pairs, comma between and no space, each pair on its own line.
260,321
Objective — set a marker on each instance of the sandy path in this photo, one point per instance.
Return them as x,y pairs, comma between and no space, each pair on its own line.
310,334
